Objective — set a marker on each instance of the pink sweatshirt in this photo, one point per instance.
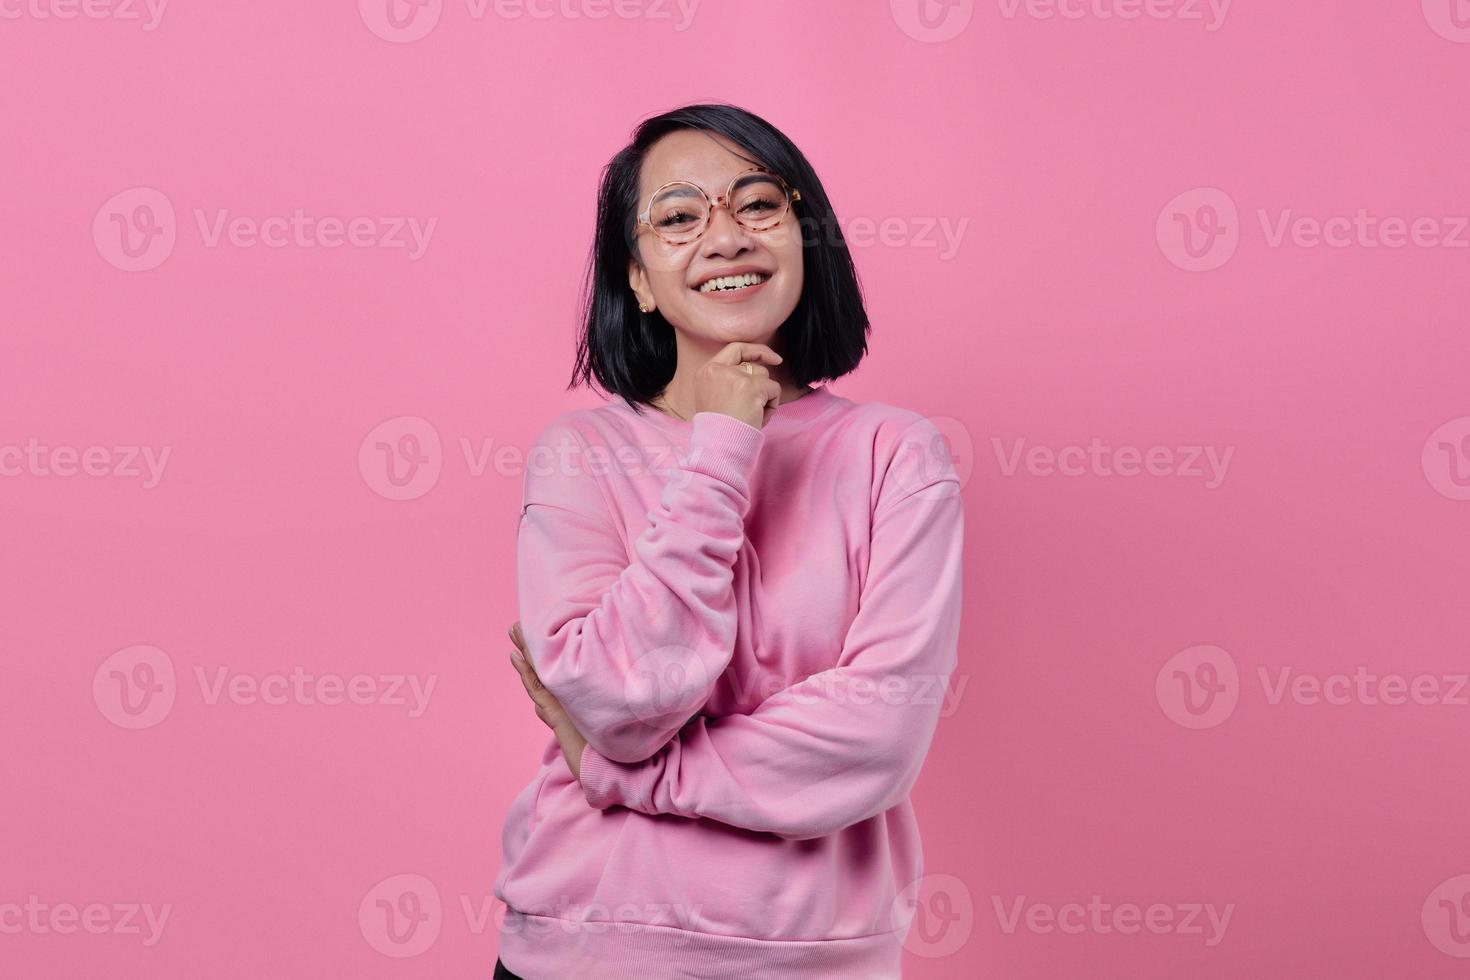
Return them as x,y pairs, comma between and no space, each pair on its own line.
753,629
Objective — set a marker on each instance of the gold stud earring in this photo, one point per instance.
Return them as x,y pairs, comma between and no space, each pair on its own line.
644,309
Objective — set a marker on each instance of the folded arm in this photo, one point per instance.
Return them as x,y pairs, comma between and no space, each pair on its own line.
632,649
842,745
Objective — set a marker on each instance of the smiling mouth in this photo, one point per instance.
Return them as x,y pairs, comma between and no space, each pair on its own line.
729,284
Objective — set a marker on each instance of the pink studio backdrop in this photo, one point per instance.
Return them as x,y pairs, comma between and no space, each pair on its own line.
288,289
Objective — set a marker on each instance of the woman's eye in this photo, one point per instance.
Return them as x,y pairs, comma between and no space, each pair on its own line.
674,218
756,207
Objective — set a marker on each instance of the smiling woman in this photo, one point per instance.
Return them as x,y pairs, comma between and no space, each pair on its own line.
737,655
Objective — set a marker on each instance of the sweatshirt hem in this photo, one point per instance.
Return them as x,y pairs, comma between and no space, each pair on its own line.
543,947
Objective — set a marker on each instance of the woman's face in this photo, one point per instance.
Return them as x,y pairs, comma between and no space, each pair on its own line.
669,277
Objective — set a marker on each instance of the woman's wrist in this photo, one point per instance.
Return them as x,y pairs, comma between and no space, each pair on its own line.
572,743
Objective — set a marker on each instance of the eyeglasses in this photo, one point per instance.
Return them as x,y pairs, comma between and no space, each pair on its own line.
679,211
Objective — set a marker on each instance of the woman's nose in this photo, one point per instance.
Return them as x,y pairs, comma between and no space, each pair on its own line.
724,232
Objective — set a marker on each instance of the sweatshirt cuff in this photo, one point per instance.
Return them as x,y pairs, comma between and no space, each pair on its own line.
596,776
725,448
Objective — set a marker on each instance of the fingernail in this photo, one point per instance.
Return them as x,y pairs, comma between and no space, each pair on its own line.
517,655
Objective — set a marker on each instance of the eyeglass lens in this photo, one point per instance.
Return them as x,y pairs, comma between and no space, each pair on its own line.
680,210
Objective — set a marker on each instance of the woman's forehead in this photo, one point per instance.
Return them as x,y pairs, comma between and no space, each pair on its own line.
706,159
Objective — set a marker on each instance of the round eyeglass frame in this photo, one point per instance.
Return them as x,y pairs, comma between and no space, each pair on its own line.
792,196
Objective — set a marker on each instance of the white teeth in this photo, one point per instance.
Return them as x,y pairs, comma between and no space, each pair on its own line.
732,282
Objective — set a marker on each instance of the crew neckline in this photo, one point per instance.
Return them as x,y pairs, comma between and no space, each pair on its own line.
803,409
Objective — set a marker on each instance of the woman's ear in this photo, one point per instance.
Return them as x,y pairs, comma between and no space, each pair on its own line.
638,282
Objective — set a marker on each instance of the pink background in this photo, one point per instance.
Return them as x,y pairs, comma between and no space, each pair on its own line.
1072,153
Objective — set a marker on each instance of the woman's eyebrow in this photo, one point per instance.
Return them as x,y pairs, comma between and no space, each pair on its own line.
682,191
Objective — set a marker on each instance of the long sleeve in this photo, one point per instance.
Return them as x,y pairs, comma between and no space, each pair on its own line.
632,649
844,744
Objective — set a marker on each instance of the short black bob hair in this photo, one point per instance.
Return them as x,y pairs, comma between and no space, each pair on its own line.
633,354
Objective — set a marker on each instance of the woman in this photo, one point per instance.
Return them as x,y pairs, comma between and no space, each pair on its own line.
739,594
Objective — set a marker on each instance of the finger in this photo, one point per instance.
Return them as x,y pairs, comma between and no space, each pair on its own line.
739,351
522,666
535,692
529,680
